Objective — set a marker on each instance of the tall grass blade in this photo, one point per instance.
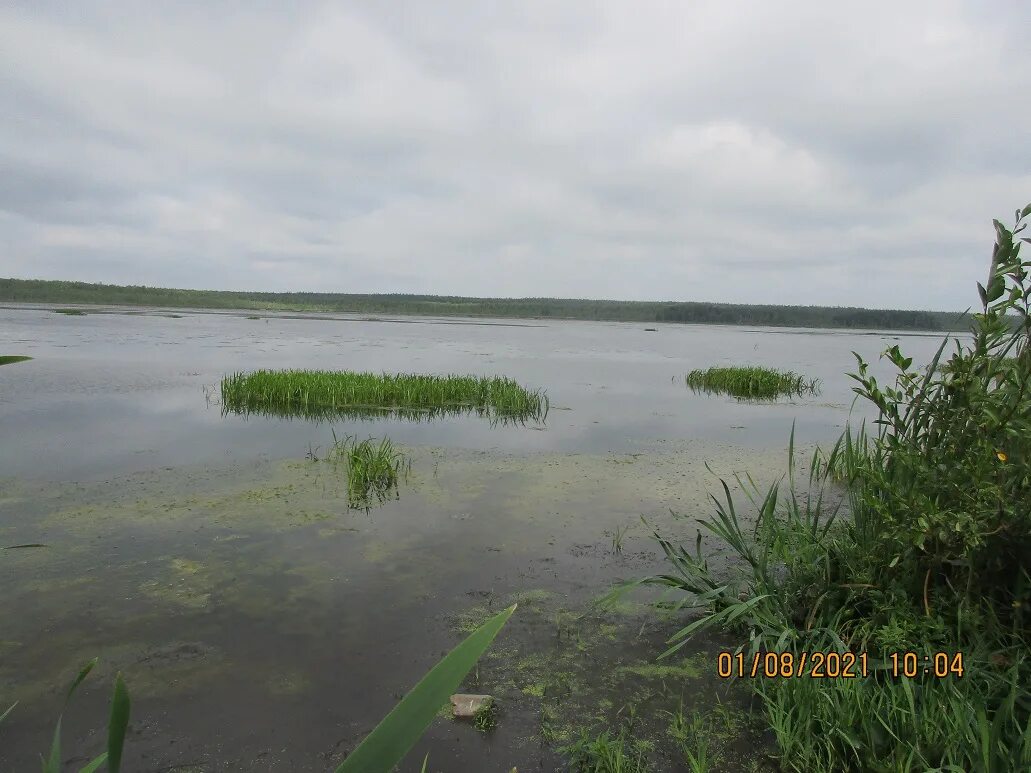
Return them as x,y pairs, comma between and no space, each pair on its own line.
392,738
52,764
117,724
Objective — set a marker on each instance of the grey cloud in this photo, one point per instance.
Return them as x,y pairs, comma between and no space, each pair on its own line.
797,152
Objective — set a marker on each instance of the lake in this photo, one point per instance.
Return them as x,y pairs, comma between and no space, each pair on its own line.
262,625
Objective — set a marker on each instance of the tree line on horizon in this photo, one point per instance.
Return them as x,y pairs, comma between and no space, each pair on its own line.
55,291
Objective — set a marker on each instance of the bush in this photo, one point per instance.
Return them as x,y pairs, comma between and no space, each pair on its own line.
927,551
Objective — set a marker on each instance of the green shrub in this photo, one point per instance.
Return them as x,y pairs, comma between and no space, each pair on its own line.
928,552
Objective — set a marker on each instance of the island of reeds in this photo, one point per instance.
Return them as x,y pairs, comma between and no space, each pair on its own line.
751,382
324,394
8,359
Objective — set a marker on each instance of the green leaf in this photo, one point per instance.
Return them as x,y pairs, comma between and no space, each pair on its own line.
117,724
9,710
53,763
1025,211
996,288
94,764
83,673
392,738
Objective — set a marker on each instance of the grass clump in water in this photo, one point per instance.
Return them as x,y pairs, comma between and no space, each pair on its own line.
606,753
319,394
10,359
373,469
927,577
486,717
71,312
751,382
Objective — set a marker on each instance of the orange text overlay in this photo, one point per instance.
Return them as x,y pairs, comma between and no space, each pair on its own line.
835,665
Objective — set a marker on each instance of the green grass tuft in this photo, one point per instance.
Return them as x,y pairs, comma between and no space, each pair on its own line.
486,717
606,753
9,359
373,469
321,394
751,382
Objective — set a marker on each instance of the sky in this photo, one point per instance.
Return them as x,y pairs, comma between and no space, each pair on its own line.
752,152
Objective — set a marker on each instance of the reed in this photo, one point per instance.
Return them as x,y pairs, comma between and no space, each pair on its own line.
322,394
373,469
751,382
927,554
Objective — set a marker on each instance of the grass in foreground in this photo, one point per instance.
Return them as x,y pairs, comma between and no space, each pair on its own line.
322,394
9,359
750,382
932,558
372,469
606,753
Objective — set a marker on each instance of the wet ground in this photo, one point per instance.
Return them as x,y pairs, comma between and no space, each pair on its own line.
262,625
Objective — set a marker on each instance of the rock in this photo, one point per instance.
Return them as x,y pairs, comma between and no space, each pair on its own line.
465,705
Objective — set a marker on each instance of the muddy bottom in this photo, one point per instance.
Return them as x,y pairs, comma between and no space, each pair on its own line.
262,625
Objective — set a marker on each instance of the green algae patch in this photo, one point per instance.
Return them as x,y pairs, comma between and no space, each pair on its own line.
570,671
183,583
686,668
469,620
287,682
268,552
531,597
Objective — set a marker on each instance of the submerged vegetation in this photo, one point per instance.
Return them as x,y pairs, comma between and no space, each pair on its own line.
118,724
372,469
924,579
322,394
9,359
751,382
47,291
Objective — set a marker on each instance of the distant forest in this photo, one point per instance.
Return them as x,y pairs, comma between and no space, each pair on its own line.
45,291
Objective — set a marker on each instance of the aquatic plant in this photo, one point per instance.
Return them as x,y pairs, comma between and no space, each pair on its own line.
932,560
118,723
372,468
321,394
70,312
380,751
8,359
750,382
391,739
606,753
486,717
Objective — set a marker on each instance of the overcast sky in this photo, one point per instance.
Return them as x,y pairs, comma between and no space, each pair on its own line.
769,152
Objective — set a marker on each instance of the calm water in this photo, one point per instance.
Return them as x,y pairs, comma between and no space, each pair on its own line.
111,393
263,626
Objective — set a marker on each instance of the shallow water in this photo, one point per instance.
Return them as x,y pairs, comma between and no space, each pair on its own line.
260,623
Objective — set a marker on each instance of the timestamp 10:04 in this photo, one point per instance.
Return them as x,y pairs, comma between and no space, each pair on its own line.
836,665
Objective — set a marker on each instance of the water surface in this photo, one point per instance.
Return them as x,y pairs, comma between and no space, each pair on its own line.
262,625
